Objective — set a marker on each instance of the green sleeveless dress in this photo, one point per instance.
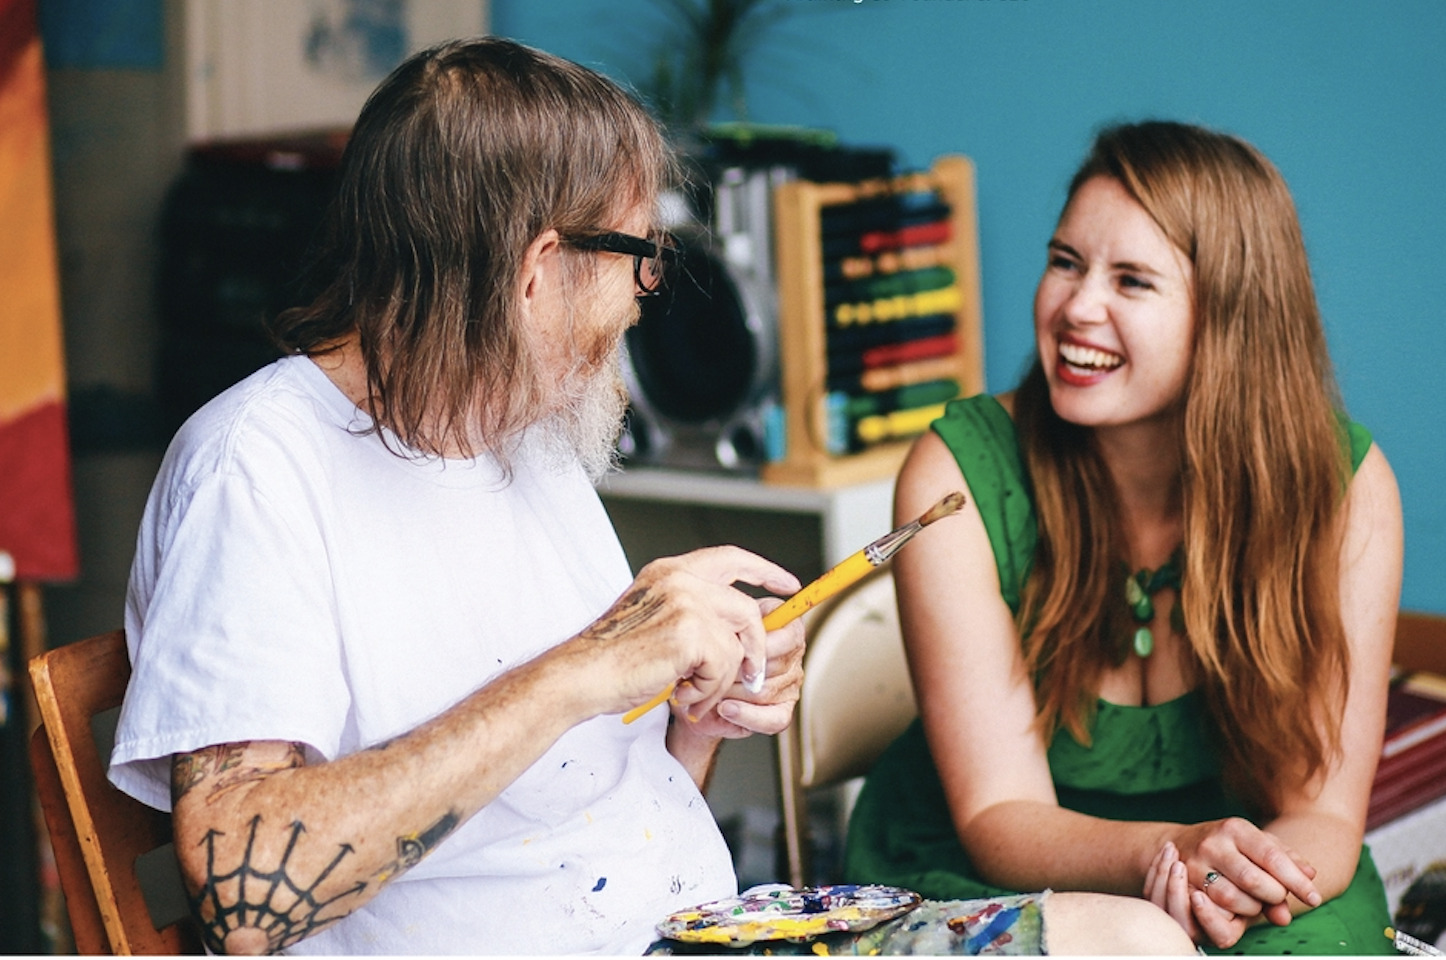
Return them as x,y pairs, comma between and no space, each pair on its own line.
1146,763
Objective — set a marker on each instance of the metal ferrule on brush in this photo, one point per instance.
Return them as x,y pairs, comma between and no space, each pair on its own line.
889,544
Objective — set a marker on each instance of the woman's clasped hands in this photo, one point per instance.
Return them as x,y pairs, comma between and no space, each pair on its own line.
1218,878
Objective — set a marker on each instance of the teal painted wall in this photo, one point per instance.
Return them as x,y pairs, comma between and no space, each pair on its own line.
1347,97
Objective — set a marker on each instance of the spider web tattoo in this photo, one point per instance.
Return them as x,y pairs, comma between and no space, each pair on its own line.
271,901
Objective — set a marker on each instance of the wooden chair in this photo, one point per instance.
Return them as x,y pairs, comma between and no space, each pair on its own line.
856,699
113,853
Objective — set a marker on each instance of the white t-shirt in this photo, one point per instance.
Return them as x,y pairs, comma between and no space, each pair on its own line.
294,580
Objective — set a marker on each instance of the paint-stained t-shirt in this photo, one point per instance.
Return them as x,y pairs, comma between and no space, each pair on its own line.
294,580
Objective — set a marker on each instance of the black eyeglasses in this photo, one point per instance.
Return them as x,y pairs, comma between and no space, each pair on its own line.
650,260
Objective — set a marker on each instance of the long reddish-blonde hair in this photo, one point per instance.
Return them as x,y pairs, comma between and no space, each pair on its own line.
1262,486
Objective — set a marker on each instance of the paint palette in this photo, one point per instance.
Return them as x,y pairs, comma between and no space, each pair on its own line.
779,912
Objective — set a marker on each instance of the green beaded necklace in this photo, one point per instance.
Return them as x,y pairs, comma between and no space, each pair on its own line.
1140,589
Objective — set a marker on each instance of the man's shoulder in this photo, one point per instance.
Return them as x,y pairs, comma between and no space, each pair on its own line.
276,412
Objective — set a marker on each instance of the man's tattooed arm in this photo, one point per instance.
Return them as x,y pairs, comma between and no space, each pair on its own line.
269,885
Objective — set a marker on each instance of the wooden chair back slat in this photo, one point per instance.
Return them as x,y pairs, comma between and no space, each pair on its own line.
86,927
110,830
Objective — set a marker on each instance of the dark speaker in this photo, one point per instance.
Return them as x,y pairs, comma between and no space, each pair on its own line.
702,362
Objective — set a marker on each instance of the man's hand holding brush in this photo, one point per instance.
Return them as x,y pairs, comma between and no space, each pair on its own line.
683,626
734,688
845,574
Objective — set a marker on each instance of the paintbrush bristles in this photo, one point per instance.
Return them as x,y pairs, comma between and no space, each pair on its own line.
889,544
949,504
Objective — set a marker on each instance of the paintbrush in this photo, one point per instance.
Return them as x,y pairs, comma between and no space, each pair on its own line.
846,573
1405,943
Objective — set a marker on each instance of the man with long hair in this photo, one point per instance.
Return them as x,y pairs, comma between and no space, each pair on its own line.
376,603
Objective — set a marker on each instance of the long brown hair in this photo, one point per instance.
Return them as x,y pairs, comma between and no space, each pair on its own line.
463,156
1262,487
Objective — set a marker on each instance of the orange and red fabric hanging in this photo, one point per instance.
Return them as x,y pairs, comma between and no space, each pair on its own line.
37,515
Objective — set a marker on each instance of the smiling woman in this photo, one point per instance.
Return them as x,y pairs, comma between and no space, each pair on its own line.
1201,733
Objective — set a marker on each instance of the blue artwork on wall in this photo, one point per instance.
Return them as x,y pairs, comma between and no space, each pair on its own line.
357,39
103,34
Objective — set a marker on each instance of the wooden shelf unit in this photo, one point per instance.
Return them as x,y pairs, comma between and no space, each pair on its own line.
798,245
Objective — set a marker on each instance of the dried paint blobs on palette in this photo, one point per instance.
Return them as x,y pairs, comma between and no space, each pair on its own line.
777,912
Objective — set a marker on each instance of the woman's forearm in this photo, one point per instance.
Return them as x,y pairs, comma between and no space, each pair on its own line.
1328,842
1029,845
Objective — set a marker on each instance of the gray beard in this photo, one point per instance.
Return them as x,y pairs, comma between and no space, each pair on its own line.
584,428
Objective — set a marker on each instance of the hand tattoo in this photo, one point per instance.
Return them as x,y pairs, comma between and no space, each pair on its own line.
627,614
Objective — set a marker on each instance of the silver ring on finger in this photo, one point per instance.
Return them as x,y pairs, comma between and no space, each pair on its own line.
1210,877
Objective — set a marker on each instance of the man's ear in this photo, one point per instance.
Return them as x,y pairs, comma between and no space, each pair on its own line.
541,268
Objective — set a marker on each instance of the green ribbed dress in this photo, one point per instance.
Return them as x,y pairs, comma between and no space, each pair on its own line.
1146,763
